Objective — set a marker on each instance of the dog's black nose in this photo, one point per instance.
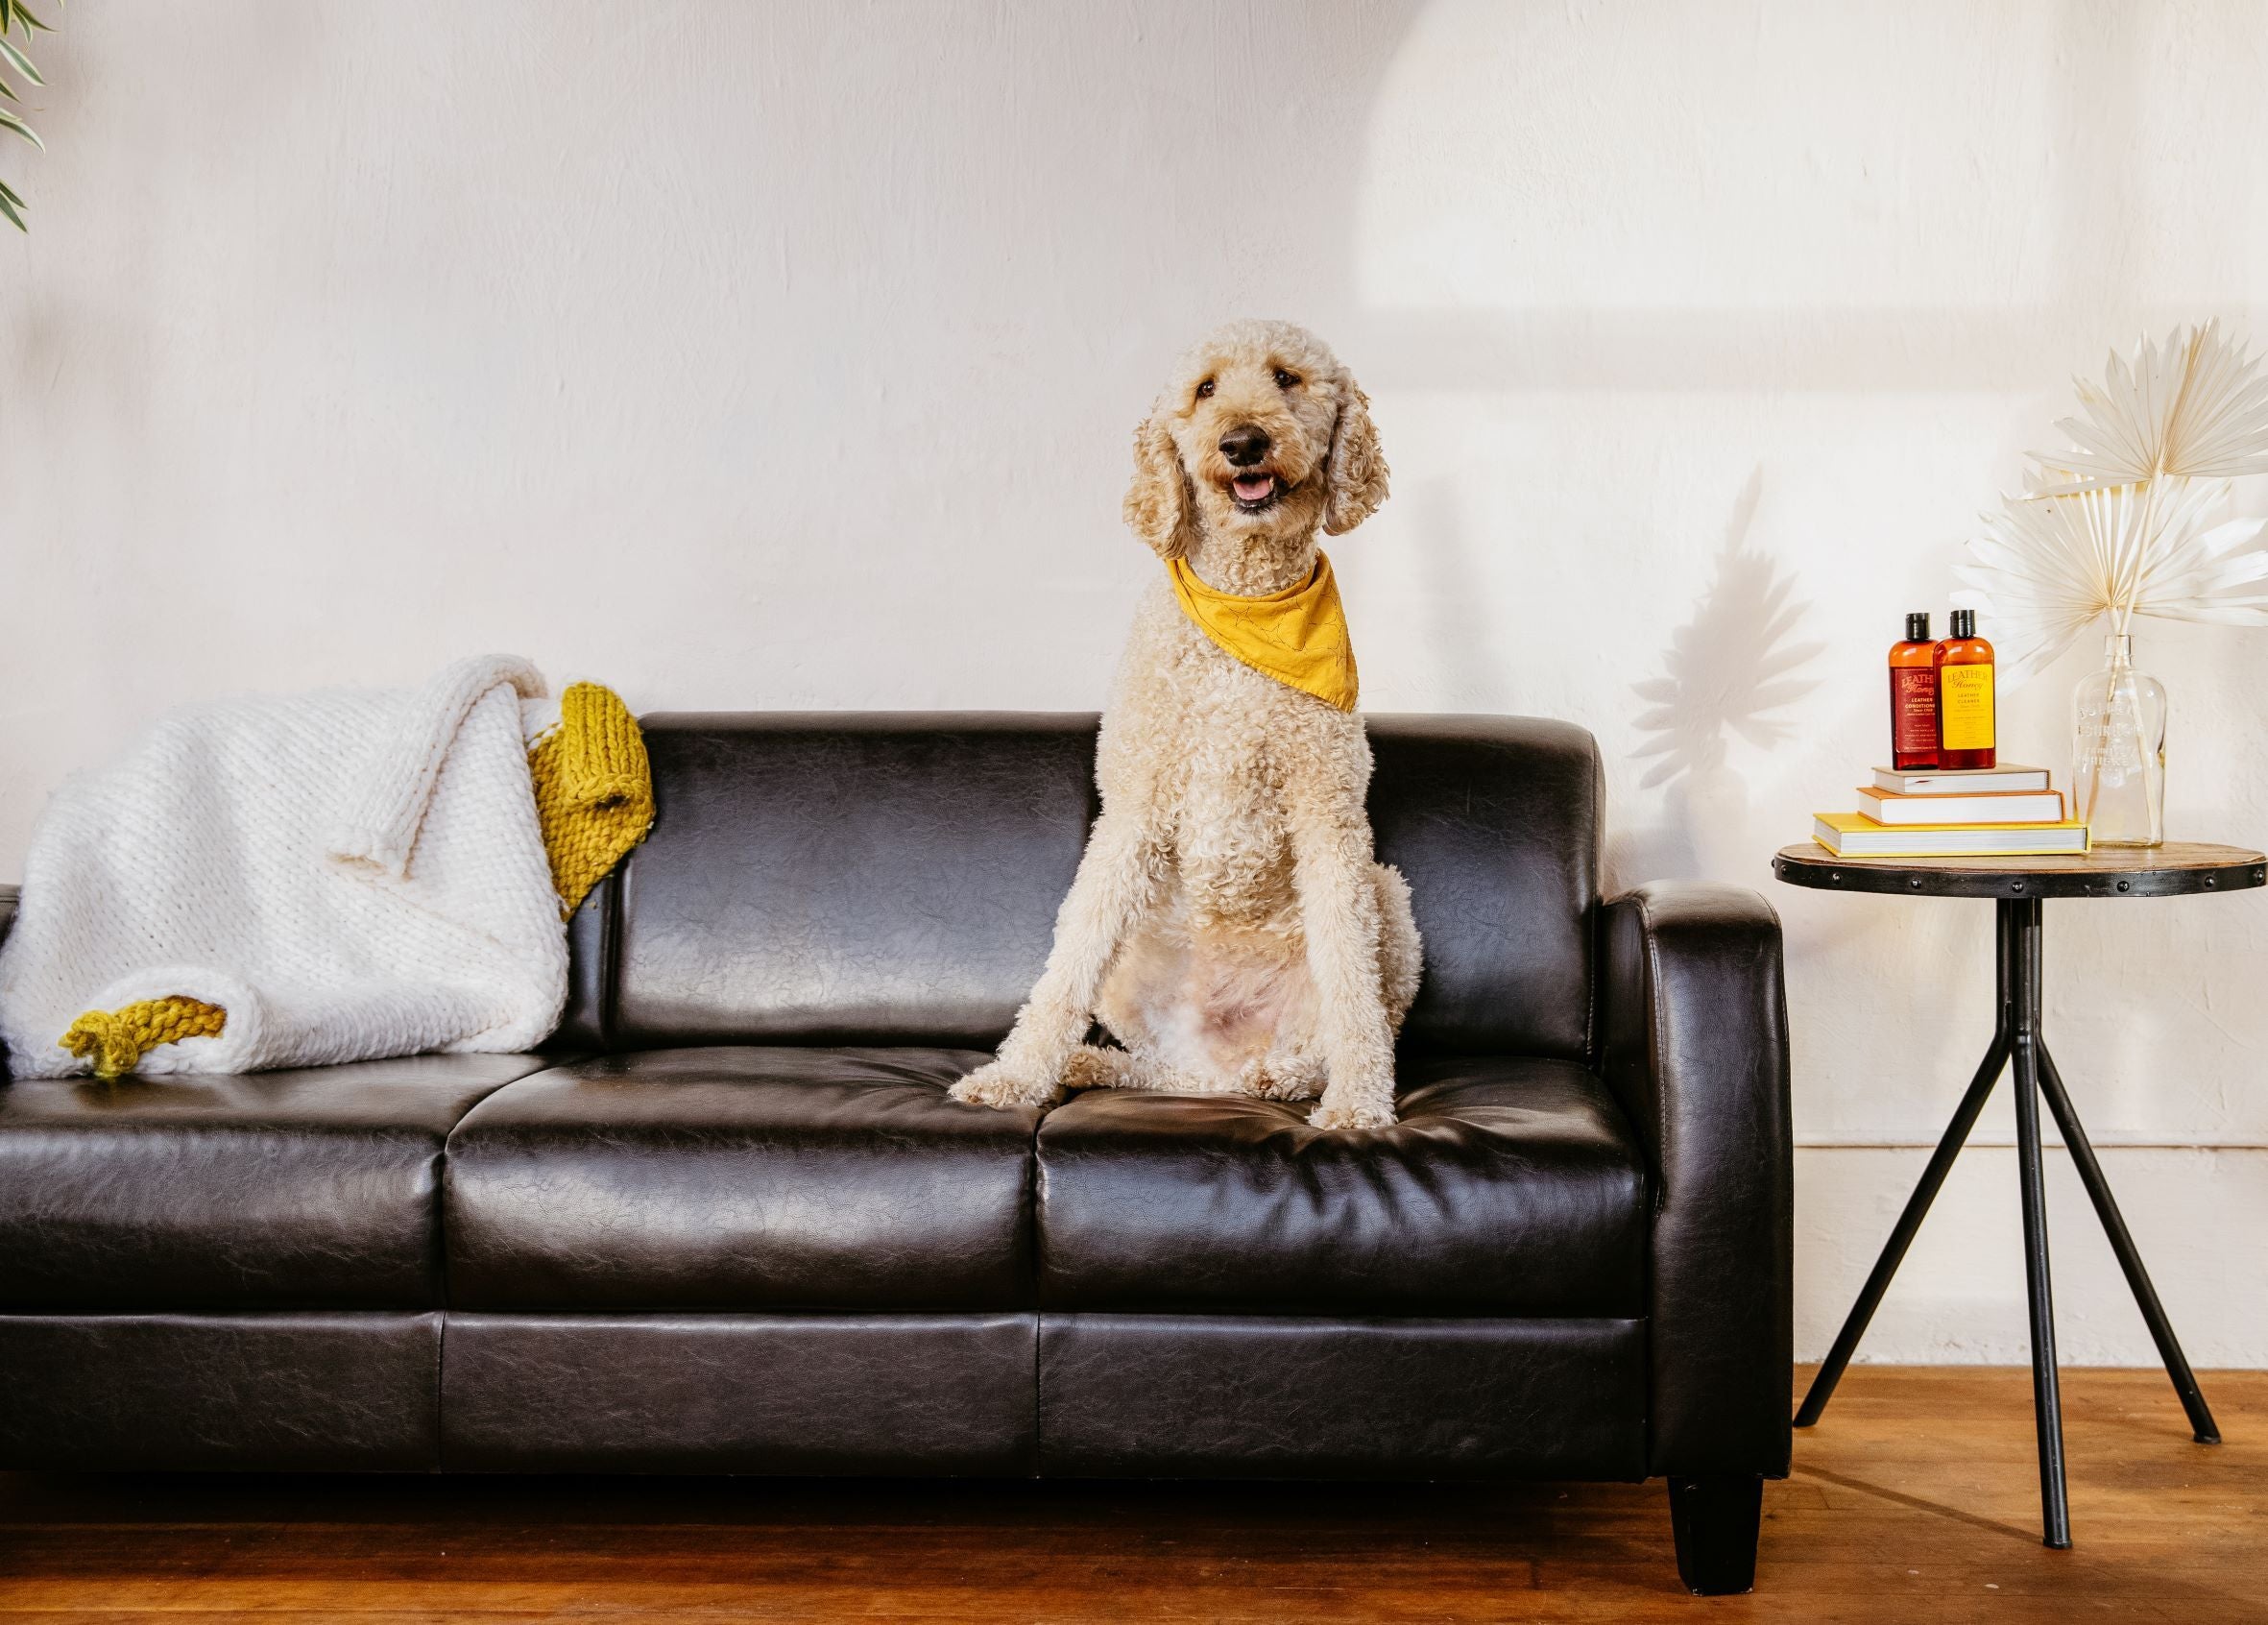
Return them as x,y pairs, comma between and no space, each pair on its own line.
1243,447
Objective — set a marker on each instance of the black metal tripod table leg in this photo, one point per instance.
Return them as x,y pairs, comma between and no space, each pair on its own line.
2023,1053
1901,1237
2016,1043
2098,1189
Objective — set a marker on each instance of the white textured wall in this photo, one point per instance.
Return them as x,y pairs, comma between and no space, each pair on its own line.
787,354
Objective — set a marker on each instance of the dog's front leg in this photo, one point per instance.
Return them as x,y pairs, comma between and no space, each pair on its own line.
1339,911
1118,879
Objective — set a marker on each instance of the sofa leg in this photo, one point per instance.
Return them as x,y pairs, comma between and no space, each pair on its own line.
1714,1521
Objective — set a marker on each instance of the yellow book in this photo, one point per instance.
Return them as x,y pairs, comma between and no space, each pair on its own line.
1853,835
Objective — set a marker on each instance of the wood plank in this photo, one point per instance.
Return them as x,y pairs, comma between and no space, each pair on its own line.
1917,1498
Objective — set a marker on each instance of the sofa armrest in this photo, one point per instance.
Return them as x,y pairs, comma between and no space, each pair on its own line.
8,897
1694,1046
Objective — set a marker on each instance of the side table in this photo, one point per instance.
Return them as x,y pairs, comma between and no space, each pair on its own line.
2019,886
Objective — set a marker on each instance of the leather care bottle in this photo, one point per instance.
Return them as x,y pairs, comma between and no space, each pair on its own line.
1913,698
1965,736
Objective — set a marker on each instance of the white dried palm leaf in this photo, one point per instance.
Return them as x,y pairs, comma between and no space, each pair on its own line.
2048,568
2194,406
2201,575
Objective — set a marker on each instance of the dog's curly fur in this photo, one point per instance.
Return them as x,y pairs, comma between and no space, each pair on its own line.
1228,924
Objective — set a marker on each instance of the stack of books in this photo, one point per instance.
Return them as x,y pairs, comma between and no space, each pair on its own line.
2007,812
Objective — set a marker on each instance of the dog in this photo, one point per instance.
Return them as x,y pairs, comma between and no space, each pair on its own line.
1229,924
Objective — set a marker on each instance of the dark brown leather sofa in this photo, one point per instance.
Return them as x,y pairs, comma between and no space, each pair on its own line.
733,1225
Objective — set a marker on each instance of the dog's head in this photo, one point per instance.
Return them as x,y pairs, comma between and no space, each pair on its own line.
1261,437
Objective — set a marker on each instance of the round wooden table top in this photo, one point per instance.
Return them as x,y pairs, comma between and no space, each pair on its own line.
2175,869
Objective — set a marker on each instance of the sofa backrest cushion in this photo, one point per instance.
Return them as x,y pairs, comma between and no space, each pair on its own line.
893,878
1495,823
848,877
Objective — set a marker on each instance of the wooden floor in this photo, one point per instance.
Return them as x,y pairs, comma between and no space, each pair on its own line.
1915,1500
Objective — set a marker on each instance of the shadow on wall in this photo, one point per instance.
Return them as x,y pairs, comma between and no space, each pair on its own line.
1732,669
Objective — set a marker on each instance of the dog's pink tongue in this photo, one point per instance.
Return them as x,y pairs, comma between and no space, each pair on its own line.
1251,488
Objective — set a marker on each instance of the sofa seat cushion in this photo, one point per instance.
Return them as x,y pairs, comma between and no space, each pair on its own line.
303,1189
1509,1186
742,1179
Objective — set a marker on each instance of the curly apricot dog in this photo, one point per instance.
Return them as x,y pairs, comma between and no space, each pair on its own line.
1228,924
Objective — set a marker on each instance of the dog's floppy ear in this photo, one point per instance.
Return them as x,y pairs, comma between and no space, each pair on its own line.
1160,507
1354,473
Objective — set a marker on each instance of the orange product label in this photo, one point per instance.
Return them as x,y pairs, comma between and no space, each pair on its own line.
1964,707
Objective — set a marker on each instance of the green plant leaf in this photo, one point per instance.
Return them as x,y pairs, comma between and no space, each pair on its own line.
9,90
8,17
8,206
31,22
23,63
9,121
8,192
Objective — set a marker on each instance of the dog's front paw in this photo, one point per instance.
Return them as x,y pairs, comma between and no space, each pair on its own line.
995,1084
1338,1111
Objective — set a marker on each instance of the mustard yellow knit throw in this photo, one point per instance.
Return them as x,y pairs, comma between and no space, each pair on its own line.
118,1039
595,791
1297,636
594,801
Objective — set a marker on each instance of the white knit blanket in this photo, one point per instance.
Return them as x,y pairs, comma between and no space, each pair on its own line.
349,874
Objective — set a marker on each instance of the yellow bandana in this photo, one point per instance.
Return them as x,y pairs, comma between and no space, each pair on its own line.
1297,636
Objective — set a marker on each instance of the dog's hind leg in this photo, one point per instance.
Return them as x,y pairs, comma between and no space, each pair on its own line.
1294,1076
1119,878
1400,955
1338,901
1092,1066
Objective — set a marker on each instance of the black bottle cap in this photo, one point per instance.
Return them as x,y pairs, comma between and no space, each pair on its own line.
1917,628
1962,623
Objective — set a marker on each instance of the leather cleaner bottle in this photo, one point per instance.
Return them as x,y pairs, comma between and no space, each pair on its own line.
1965,701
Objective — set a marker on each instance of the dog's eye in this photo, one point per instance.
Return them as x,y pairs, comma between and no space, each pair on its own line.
1284,379
1204,389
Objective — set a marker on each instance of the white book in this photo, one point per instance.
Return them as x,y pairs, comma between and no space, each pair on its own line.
1983,807
1960,780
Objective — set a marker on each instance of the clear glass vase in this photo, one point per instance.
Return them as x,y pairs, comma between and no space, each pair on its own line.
2118,751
